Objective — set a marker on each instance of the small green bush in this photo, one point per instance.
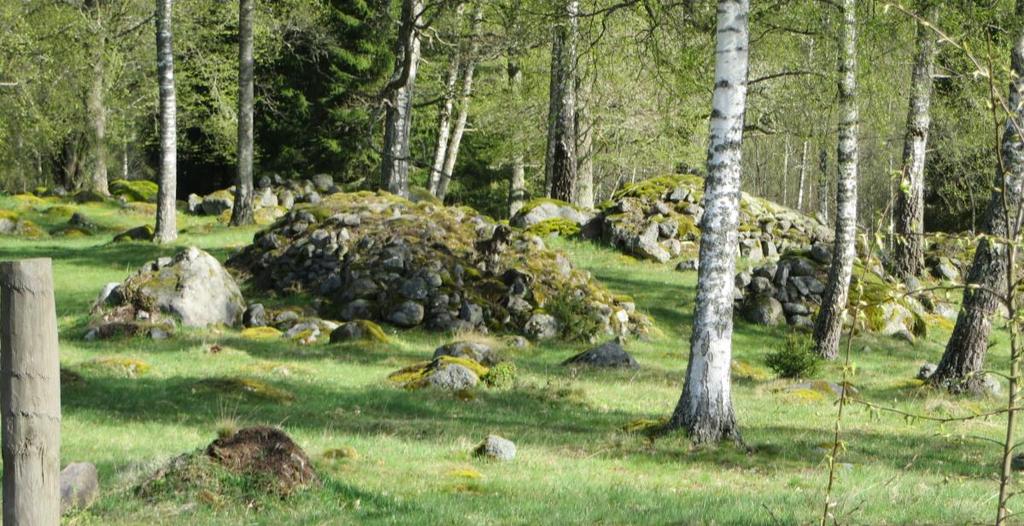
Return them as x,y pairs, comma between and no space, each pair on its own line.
795,358
501,376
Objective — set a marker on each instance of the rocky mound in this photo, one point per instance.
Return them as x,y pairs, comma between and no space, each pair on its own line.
192,287
273,197
658,219
378,257
790,291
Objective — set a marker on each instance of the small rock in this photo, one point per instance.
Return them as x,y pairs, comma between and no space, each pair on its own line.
496,447
763,310
926,371
255,316
79,486
610,354
475,351
690,265
541,327
406,314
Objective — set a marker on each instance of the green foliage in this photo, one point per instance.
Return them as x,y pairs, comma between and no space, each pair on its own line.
557,226
574,313
795,358
135,190
501,376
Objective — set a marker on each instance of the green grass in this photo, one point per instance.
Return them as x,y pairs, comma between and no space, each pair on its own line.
575,464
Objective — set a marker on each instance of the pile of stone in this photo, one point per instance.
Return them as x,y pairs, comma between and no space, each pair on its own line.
374,256
790,291
191,288
658,219
273,196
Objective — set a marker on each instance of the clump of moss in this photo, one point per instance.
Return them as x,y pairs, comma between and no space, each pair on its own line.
534,203
747,371
554,226
248,388
805,395
656,187
118,365
29,199
139,233
261,333
464,472
371,332
342,453
135,190
58,211
646,426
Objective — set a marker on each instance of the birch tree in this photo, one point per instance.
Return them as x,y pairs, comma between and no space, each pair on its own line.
242,212
468,68
444,122
829,324
560,166
960,369
166,218
399,92
908,213
705,408
97,108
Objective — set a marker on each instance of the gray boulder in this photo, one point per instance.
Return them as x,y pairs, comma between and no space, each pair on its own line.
763,310
477,352
79,486
497,448
689,265
926,371
646,245
610,354
453,376
255,316
217,203
551,209
192,286
406,314
541,327
323,182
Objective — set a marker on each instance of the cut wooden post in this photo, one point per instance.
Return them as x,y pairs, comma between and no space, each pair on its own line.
29,394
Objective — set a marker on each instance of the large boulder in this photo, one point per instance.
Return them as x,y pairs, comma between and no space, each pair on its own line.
79,486
378,257
541,210
192,287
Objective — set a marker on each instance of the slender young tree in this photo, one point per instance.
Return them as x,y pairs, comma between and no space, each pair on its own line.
242,212
803,176
960,369
908,215
166,213
829,324
399,92
705,408
444,122
468,68
97,108
560,167
517,176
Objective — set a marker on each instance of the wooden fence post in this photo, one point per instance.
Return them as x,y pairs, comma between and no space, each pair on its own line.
29,394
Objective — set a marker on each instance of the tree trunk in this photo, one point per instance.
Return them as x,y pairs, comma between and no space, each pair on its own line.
908,256
166,213
823,185
829,325
98,130
803,177
29,393
517,183
961,364
444,125
785,173
469,66
705,407
584,146
561,163
242,212
398,121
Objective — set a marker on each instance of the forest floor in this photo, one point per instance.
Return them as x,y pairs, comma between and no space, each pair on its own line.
576,464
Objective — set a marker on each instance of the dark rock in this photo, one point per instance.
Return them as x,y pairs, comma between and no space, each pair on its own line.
406,314
763,310
478,352
255,316
689,265
610,354
821,254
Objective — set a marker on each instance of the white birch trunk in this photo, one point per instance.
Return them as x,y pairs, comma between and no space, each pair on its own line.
829,324
166,213
705,407
560,168
444,125
467,92
803,177
908,212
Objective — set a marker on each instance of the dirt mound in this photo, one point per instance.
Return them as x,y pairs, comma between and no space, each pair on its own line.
264,452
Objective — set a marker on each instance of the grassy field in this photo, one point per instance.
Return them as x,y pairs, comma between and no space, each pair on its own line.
575,465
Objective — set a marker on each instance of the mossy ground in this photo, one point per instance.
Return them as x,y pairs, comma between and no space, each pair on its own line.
575,465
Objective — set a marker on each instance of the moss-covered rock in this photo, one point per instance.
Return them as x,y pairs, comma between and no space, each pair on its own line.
135,190
243,388
139,233
117,366
261,333
419,375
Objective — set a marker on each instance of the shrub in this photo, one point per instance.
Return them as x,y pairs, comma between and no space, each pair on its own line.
501,376
795,359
